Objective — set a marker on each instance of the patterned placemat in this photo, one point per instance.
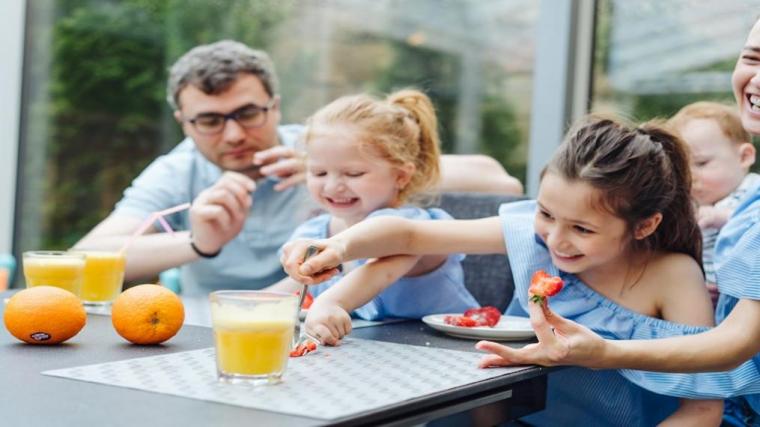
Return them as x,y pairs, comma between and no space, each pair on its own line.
335,382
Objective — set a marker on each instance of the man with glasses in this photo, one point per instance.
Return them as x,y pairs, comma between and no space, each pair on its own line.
241,171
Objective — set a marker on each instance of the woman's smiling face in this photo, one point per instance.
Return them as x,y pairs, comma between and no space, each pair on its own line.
746,81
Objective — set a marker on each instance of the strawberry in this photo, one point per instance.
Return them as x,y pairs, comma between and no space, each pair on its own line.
484,316
307,300
463,321
543,286
303,349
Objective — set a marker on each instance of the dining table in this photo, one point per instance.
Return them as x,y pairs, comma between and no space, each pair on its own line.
57,398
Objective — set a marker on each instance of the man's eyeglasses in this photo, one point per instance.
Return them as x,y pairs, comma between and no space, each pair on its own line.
247,116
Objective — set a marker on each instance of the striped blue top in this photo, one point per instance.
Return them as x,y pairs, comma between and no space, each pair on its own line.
737,261
439,291
710,235
579,396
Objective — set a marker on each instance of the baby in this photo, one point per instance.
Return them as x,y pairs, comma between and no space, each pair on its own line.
721,155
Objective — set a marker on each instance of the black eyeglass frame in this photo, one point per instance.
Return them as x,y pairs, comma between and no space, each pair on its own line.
235,115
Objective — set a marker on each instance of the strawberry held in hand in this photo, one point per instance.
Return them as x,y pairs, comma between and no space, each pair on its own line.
542,285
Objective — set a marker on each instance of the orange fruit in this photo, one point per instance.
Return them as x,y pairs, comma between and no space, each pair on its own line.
44,315
147,314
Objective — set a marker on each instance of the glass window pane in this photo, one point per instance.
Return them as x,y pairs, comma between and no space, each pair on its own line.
95,73
653,57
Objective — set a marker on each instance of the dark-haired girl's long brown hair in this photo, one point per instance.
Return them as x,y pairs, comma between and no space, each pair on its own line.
639,172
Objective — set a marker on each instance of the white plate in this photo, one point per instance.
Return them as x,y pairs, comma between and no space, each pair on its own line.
508,328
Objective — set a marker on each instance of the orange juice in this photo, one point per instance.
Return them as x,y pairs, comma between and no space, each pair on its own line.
253,332
257,348
103,276
59,269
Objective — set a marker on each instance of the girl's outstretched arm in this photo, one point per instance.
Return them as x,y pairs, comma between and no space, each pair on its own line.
564,342
329,317
386,236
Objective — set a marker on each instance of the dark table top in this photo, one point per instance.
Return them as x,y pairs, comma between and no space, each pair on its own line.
31,399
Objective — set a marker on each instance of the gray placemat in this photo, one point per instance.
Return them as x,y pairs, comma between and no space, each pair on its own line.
335,382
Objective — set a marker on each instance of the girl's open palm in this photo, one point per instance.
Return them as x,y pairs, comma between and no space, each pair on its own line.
319,267
560,342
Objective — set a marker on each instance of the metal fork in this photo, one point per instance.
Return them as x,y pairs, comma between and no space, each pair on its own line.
300,336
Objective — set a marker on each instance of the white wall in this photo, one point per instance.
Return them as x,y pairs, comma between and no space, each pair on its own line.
11,46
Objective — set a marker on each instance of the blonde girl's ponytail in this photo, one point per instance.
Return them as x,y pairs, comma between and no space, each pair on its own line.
427,160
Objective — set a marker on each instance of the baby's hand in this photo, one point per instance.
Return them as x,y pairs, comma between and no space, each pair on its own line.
314,268
327,322
712,217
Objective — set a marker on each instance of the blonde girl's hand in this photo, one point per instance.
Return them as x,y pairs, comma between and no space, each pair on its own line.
327,322
318,267
560,342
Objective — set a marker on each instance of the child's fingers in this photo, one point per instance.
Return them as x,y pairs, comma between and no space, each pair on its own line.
345,326
322,332
539,322
323,261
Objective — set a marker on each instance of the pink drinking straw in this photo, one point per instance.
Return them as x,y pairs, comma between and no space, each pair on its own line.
152,218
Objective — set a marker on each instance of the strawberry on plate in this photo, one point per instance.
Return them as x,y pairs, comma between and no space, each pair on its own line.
542,286
483,316
463,321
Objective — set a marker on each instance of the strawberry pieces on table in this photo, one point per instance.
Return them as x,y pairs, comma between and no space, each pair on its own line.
542,286
303,349
484,316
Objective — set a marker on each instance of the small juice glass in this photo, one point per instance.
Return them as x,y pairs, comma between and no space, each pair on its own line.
103,277
54,268
253,332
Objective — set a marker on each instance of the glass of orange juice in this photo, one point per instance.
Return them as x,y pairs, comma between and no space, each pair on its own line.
54,268
253,332
103,276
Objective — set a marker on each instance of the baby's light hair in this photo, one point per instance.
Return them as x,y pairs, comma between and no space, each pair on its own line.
402,128
725,116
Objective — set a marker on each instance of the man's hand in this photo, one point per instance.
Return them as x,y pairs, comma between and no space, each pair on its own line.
283,162
219,212
560,342
712,217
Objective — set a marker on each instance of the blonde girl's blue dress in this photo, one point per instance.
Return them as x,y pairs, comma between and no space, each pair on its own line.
579,396
439,291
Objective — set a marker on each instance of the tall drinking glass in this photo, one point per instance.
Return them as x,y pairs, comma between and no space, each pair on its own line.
253,331
54,268
103,277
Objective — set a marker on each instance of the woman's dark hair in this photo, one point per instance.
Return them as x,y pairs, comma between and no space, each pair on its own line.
639,171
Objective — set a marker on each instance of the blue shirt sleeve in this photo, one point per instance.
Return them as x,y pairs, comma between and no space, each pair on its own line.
163,184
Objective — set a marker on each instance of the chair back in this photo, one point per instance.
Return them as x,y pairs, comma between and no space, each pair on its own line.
487,277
